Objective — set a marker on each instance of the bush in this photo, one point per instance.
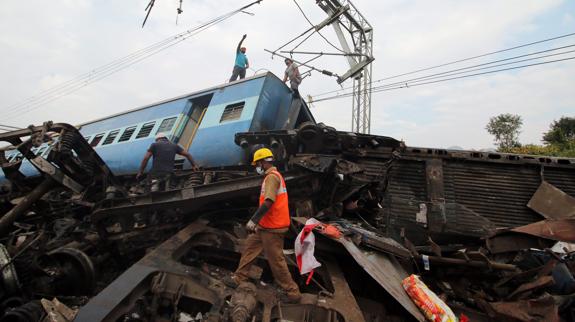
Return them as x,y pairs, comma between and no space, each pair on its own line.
555,150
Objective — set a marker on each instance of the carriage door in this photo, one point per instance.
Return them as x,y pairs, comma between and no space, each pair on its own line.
195,116
198,108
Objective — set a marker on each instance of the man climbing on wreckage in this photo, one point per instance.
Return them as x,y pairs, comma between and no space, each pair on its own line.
163,151
268,227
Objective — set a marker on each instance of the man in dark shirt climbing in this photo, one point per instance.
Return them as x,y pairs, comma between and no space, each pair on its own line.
163,152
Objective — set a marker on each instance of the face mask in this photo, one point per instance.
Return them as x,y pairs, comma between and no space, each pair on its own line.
260,170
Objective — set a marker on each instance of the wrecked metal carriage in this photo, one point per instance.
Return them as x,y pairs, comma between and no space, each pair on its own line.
87,232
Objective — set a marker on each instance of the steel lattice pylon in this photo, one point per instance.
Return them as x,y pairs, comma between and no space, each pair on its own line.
361,105
361,34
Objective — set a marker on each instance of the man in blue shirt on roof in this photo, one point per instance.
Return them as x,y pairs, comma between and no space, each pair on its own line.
241,62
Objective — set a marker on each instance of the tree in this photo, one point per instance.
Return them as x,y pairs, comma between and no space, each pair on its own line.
559,141
561,132
506,129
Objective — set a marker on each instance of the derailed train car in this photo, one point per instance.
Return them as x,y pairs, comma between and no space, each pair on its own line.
78,226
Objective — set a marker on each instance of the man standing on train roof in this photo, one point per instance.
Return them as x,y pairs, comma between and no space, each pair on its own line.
241,62
163,152
292,73
268,225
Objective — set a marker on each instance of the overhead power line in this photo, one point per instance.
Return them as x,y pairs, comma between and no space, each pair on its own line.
113,67
408,85
469,69
319,33
461,60
10,127
482,55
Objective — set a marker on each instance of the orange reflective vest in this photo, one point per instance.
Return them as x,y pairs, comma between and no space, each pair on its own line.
278,215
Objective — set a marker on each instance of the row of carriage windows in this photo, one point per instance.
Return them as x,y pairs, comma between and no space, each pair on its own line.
165,126
231,112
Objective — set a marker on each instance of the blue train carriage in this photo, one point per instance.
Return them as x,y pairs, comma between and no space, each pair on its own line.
204,123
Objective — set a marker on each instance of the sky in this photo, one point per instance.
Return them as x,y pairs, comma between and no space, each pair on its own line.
43,44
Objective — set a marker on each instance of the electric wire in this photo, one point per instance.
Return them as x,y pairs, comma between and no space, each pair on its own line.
482,55
408,85
75,87
464,68
473,69
458,61
142,54
117,65
92,72
319,33
10,127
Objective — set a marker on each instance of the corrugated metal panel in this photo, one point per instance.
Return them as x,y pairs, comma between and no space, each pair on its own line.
478,194
498,192
562,178
406,191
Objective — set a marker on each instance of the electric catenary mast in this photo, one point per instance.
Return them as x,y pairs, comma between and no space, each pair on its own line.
361,34
355,36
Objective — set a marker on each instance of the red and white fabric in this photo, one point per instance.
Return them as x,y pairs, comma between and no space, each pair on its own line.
304,249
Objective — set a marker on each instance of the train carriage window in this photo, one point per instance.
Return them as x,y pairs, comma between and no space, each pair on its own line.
111,137
97,139
166,125
145,130
127,134
232,112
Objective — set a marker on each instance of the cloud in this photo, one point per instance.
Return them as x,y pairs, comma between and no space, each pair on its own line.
43,45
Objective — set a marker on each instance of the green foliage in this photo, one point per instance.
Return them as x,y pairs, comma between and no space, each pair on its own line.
505,128
553,150
559,141
561,132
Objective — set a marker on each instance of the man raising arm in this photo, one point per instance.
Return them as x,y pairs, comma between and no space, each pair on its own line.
241,63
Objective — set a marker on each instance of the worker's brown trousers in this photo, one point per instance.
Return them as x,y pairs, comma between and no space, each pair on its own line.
271,242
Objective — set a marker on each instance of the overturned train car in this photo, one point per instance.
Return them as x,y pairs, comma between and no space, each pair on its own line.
78,226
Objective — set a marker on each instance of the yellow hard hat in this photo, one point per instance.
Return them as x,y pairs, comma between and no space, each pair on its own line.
262,153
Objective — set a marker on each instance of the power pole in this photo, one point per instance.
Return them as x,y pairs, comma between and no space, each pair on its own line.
361,35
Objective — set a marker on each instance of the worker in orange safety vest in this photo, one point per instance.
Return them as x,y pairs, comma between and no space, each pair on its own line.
268,227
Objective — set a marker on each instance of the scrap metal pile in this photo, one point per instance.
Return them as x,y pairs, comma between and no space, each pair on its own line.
489,233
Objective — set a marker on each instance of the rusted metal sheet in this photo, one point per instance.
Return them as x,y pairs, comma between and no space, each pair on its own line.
559,230
387,272
511,242
542,309
375,241
541,282
552,203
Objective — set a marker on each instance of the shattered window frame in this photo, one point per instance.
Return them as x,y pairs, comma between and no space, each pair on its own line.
97,139
127,134
167,125
112,135
145,130
232,112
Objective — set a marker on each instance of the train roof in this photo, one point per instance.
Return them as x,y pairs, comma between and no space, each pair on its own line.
209,89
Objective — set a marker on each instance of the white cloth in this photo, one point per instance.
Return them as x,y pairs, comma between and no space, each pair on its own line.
304,248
